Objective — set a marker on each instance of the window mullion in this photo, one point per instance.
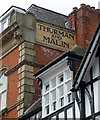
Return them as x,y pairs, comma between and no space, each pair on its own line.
65,95
57,94
50,98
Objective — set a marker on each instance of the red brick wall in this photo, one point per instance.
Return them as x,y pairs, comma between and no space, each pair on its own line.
13,88
37,90
44,55
11,60
85,21
12,114
36,69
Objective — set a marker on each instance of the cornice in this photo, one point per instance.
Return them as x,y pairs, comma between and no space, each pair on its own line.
9,32
34,64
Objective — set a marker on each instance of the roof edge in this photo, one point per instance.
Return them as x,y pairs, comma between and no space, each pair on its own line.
11,8
86,54
47,10
58,59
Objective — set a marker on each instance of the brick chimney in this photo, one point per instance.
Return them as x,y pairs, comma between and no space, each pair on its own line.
84,20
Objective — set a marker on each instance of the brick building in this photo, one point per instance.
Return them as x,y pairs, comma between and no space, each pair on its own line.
31,39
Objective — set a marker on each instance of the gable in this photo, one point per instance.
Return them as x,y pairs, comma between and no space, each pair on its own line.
89,58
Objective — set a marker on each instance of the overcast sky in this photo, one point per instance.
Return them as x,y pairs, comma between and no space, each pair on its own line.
61,6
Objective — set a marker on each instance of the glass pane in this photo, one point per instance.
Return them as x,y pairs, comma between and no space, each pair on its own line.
67,74
68,86
77,111
47,99
3,83
69,97
0,101
53,118
61,91
62,101
87,105
38,115
61,79
61,115
54,95
97,118
95,69
70,113
5,24
3,100
47,109
54,106
53,82
96,95
46,87
32,118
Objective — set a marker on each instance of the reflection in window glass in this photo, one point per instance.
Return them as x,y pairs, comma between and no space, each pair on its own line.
5,23
54,100
46,87
68,86
53,82
97,118
38,115
69,98
54,95
47,109
61,79
61,91
3,100
70,113
3,90
46,99
3,83
61,115
54,105
33,117
67,74
62,101
52,118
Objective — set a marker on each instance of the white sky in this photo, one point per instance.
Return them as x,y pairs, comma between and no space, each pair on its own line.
61,6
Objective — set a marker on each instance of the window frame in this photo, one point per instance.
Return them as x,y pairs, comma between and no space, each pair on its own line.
5,21
3,70
56,88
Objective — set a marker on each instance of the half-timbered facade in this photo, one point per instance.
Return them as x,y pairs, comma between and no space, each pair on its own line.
87,82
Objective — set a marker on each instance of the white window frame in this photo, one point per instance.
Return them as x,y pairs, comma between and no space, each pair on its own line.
6,22
3,91
56,88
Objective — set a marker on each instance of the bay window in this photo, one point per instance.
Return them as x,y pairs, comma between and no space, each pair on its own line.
56,92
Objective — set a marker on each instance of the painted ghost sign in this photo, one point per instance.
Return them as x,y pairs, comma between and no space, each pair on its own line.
55,36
